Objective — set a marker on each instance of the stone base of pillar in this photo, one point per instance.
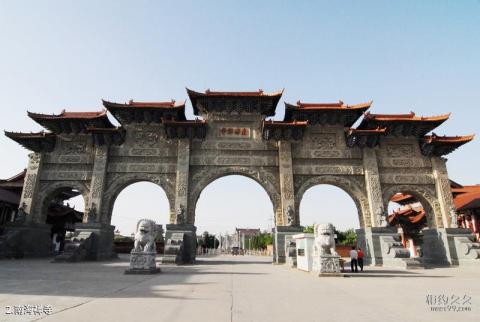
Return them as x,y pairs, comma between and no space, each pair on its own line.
101,246
176,253
20,240
280,233
450,246
382,247
368,239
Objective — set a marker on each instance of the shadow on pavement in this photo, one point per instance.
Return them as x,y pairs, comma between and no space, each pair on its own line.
107,279
392,275
227,262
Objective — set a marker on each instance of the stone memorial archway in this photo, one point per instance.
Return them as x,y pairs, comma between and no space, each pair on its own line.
314,144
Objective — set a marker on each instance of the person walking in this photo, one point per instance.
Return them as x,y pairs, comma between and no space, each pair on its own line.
58,244
353,260
360,259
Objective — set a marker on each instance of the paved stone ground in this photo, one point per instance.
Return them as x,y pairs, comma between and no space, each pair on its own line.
227,288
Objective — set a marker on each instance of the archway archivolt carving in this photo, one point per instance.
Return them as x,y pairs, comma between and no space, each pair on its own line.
354,190
201,178
118,183
424,195
49,190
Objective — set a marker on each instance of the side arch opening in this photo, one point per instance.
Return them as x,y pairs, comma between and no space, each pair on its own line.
62,208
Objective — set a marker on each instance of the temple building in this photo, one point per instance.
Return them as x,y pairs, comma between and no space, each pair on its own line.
242,235
467,204
410,219
410,216
10,194
60,215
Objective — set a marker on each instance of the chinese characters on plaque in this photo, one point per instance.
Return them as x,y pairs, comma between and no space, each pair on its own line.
242,132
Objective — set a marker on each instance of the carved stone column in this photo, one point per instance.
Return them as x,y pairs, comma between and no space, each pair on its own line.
444,193
447,244
287,223
180,235
28,235
97,187
30,189
96,222
374,190
286,185
181,188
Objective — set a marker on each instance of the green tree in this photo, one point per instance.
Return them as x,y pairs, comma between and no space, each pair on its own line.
347,237
259,241
309,229
208,241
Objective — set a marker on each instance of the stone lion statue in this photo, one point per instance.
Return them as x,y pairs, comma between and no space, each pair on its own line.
145,236
324,239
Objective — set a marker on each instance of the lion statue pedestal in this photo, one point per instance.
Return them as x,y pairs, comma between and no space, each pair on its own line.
144,252
325,259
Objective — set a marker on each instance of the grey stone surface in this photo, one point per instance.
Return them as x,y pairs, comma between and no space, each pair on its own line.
29,239
280,234
77,247
102,240
227,288
381,246
462,247
181,244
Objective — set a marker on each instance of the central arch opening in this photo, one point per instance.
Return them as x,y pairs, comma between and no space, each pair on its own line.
237,212
325,203
139,200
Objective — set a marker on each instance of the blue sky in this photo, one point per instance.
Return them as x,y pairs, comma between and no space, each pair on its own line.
404,55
